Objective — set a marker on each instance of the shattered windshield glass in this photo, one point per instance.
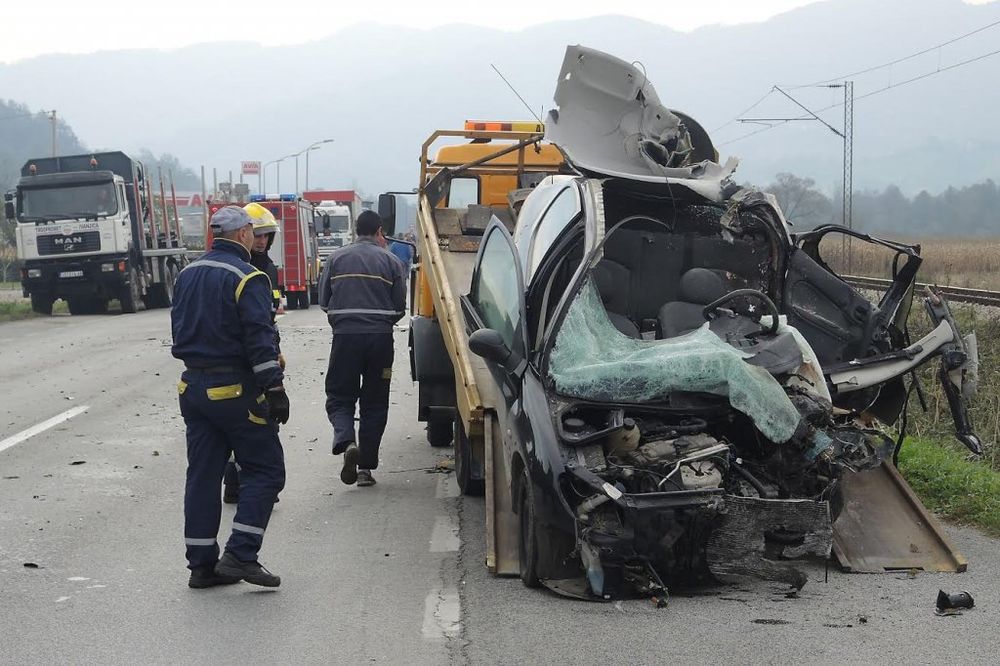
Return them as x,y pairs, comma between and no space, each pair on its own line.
592,360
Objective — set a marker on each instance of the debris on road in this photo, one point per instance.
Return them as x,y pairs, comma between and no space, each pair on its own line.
31,565
79,462
953,604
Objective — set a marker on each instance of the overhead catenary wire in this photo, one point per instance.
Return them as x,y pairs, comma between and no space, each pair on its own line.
871,93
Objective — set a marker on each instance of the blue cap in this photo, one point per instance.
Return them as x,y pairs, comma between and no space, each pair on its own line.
230,218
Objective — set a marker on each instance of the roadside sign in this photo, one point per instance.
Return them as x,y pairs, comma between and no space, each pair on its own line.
250,168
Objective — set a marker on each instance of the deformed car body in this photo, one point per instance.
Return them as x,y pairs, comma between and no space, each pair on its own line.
684,385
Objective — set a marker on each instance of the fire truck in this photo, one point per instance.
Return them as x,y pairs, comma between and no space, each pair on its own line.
294,250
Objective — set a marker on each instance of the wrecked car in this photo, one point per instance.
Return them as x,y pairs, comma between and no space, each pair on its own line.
683,388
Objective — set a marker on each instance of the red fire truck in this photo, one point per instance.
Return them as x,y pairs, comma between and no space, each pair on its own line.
294,251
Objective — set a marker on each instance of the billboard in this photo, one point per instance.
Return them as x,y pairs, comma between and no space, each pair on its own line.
250,168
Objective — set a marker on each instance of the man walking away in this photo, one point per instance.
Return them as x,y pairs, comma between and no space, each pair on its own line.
231,398
363,291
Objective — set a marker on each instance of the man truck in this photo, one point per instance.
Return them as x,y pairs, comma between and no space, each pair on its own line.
87,233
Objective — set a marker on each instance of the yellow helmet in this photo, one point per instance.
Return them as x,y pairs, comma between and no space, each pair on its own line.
263,219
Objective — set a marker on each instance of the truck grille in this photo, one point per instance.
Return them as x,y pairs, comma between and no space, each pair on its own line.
84,241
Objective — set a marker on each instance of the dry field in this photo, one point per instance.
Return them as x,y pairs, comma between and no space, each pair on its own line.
971,263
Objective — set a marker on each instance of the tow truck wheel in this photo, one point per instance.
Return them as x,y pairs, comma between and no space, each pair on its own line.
463,463
440,432
42,304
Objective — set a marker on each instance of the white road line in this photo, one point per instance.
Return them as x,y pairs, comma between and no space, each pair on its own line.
444,536
41,427
442,614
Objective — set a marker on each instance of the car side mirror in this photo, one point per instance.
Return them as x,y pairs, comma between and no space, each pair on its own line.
488,344
387,211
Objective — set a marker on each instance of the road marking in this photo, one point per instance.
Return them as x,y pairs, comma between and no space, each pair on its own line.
444,536
442,614
447,487
41,427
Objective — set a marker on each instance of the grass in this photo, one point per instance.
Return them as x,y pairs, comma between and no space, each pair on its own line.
13,311
952,486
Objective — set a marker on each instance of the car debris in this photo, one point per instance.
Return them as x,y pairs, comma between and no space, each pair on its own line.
953,604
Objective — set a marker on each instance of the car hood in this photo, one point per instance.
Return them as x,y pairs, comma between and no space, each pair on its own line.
610,122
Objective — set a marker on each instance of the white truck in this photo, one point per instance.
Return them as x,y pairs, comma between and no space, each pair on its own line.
334,226
87,233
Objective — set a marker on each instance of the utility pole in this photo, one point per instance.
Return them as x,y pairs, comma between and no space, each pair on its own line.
52,119
848,168
848,153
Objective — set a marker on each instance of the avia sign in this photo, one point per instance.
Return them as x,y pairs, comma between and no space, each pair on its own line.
250,168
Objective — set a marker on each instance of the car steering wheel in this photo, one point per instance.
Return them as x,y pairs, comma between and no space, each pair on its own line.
709,310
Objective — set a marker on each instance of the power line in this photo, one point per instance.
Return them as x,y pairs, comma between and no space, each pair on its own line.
868,94
899,60
745,111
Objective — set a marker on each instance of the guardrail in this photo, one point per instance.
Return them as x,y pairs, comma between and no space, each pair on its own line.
954,294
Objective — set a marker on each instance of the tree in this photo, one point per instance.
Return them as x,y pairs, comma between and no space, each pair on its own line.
800,201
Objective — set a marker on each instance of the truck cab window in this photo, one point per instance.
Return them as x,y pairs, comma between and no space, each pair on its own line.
495,291
463,192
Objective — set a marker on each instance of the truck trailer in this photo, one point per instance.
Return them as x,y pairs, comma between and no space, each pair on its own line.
87,233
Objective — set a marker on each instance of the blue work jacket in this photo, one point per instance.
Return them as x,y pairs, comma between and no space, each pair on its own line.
221,314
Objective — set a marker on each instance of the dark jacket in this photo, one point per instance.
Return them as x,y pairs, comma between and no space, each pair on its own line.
221,314
363,288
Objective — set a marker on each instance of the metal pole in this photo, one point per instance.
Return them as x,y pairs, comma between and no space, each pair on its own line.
307,169
260,181
263,186
53,119
215,183
204,206
278,167
163,207
177,219
297,173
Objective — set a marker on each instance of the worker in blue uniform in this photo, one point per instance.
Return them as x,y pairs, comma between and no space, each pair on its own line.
363,291
265,227
231,398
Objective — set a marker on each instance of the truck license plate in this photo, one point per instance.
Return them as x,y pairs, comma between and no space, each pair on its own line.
71,274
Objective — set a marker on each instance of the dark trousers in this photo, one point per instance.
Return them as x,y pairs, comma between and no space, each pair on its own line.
360,371
220,422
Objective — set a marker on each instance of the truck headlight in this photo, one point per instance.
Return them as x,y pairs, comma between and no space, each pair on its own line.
34,272
107,268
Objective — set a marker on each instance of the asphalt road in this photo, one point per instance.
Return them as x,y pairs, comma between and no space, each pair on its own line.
391,574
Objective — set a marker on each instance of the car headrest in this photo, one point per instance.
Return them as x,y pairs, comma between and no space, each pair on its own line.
701,286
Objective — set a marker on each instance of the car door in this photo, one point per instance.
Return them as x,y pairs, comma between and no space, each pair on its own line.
839,322
496,301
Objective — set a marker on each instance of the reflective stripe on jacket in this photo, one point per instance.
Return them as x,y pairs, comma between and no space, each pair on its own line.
221,314
363,288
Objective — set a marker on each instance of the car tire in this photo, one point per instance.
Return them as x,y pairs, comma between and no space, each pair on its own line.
527,532
469,486
42,303
440,433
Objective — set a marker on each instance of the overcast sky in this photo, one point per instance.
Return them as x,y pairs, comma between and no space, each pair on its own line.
72,26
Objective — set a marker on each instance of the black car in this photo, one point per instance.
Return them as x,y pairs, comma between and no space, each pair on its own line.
684,385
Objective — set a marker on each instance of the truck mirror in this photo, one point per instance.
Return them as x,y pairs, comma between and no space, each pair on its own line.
387,211
326,222
8,206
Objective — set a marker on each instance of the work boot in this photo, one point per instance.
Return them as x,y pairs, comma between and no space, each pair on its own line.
230,493
251,572
203,577
349,474
365,478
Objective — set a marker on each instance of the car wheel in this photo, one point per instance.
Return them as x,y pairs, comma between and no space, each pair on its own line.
439,432
528,532
463,464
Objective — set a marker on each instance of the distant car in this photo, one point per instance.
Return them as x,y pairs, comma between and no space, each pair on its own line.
682,382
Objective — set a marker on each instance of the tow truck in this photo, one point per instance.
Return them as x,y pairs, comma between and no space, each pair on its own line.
600,475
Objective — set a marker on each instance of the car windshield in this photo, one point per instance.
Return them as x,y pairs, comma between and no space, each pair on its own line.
55,203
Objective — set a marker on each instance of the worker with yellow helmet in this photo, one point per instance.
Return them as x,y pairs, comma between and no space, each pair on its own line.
265,227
